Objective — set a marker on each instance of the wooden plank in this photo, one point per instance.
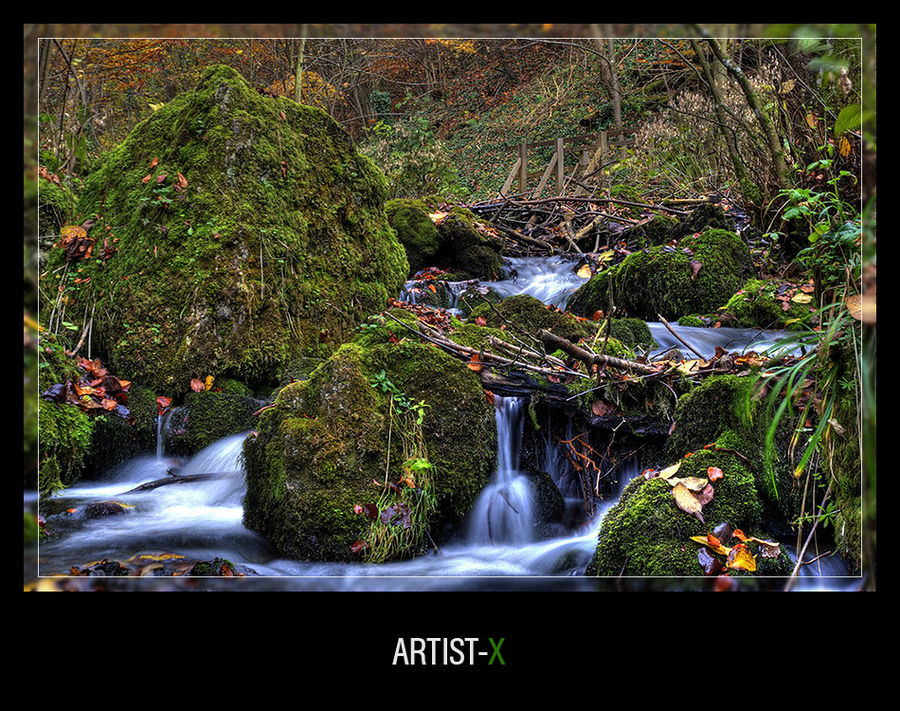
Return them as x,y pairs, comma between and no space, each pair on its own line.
545,177
512,176
560,166
523,167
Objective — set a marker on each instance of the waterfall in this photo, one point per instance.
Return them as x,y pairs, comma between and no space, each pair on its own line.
504,511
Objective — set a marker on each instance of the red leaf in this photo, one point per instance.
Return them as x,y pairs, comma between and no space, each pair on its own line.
359,546
161,178
480,321
197,385
163,403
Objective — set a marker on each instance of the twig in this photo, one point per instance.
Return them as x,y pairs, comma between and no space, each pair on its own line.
672,331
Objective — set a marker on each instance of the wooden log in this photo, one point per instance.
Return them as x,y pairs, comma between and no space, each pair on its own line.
553,342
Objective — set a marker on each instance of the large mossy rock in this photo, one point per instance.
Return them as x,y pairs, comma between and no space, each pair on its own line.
450,242
248,231
318,450
415,230
666,280
718,424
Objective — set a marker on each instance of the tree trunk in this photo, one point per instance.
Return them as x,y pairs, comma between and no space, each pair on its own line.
772,141
298,72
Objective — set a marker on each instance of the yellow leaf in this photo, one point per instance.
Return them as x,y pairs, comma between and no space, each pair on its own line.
208,382
741,558
694,483
786,86
844,147
584,272
670,471
718,548
801,298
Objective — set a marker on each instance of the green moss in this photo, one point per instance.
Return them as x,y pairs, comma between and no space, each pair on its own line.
530,314
56,207
720,403
65,437
415,230
755,305
319,449
691,320
465,251
207,417
661,281
277,246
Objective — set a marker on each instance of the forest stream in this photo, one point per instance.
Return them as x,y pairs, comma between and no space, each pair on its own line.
500,545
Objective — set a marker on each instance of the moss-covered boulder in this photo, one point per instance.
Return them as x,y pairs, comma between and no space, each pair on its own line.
312,463
233,232
530,314
717,425
65,440
415,230
767,304
695,276
465,251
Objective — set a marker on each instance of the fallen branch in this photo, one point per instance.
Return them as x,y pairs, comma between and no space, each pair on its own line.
554,342
174,479
672,331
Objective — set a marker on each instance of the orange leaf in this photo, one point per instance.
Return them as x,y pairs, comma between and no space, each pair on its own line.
153,163
146,178
433,288
714,473
474,364
480,321
739,534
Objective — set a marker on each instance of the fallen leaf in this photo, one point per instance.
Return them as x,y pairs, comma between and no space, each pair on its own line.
474,364
741,558
208,382
163,403
197,385
601,408
695,268
710,564
670,471
584,272
687,502
694,483
480,321
714,473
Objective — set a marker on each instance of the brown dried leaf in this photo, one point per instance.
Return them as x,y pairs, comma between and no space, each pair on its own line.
687,502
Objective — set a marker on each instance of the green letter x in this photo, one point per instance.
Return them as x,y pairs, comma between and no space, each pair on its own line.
496,651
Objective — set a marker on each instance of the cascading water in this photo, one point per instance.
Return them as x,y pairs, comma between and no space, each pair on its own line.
503,512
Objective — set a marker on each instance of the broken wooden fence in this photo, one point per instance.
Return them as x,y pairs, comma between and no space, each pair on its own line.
594,151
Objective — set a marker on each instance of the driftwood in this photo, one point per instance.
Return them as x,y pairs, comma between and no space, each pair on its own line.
174,479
